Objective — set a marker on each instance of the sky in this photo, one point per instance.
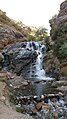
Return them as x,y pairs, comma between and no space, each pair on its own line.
31,12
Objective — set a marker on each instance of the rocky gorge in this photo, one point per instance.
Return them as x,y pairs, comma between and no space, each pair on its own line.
33,75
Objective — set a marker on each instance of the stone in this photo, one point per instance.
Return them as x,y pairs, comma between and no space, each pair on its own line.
55,115
34,111
17,81
62,88
59,83
45,107
39,106
54,99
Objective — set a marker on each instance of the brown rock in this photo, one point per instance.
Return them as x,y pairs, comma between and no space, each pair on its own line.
64,69
39,106
59,83
45,107
55,115
62,88
54,99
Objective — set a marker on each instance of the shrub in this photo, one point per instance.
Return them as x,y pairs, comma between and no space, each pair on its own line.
63,51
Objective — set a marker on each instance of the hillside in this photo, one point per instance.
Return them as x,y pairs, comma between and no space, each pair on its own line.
11,31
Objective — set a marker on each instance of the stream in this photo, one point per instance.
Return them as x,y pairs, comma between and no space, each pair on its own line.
37,99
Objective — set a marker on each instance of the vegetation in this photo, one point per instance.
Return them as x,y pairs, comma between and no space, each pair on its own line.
38,34
63,51
58,35
19,26
32,33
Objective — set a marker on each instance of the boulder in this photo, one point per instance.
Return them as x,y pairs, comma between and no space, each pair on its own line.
17,56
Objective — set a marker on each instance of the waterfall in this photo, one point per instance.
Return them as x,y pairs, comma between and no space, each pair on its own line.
35,70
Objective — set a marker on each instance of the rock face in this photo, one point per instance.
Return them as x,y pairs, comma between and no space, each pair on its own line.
59,37
11,31
17,56
52,65
8,35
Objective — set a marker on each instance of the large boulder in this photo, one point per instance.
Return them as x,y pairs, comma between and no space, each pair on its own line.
17,56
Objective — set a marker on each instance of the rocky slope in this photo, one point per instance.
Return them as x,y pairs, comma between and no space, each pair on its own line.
11,31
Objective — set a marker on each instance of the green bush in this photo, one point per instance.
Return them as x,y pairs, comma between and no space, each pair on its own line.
63,51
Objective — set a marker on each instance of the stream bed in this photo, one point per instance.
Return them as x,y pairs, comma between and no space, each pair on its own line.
37,98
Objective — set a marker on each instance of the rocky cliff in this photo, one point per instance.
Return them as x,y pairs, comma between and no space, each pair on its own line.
58,33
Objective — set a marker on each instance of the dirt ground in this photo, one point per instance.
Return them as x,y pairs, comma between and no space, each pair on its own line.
6,110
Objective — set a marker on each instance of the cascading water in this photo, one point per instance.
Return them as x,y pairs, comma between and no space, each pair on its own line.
35,70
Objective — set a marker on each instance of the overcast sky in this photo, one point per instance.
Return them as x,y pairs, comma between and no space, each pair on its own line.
31,12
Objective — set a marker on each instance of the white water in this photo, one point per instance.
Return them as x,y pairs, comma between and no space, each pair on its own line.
36,70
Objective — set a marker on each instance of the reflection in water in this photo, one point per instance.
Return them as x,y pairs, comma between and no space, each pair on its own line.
35,89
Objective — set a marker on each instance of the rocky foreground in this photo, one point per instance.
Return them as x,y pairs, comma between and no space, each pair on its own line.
7,110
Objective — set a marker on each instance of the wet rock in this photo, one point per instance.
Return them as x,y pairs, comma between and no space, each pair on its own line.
55,115
59,83
54,99
45,107
34,111
17,57
39,106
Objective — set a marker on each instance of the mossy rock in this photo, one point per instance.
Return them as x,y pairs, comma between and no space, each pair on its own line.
19,109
